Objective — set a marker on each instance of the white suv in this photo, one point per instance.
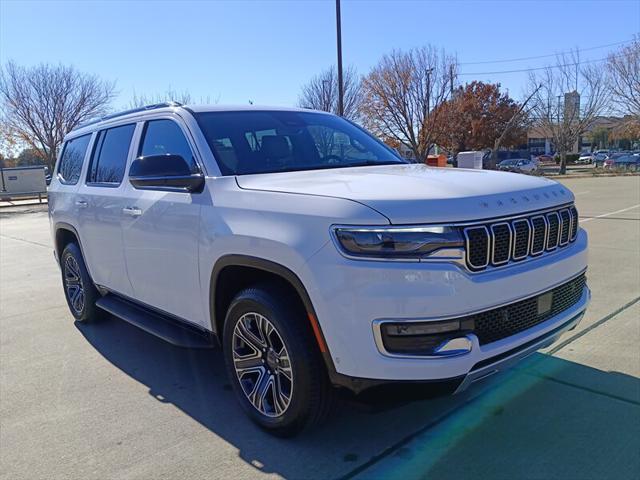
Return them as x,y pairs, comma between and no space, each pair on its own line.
315,256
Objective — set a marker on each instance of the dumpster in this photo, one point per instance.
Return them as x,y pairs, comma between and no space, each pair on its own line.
470,159
437,160
22,181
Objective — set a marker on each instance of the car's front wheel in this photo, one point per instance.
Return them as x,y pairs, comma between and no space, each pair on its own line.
273,363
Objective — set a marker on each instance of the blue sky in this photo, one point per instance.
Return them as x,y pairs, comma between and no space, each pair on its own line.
235,51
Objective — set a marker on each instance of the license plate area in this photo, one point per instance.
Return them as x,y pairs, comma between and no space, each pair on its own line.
545,301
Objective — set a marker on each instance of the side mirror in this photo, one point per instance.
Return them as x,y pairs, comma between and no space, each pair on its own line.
164,172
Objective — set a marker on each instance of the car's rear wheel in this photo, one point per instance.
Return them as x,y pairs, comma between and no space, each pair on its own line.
273,363
79,290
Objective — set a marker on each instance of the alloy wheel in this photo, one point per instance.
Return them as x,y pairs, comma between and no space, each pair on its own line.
73,284
262,365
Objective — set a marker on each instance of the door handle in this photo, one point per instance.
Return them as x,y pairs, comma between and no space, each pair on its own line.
133,211
82,203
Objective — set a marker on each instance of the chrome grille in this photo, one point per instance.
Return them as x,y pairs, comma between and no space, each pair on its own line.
513,240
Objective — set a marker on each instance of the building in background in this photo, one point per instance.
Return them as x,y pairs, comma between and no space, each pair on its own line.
598,136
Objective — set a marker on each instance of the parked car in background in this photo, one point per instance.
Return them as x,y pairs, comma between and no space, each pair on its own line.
626,162
519,165
508,165
608,163
545,158
585,157
599,158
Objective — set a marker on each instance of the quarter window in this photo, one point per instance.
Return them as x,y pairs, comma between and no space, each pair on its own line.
110,155
72,159
163,137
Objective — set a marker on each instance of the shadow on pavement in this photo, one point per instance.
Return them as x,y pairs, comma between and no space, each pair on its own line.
549,419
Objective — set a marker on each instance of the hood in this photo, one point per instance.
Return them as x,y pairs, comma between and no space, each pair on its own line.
415,193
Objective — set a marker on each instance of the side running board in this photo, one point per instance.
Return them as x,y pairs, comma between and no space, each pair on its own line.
172,331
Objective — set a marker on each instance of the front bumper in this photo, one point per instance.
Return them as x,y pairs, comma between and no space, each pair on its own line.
351,296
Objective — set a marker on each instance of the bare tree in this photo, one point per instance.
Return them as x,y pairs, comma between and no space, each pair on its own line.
321,92
520,119
624,74
169,95
401,96
40,105
569,97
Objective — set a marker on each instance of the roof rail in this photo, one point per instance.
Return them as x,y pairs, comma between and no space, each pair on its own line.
127,112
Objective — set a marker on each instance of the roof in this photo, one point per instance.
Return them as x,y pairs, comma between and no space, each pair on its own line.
238,108
172,107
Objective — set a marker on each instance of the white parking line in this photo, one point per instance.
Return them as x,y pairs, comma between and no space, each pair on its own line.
582,193
610,213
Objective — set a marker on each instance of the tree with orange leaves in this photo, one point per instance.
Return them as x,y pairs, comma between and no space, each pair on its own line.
477,115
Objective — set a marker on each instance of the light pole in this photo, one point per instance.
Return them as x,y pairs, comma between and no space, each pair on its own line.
339,41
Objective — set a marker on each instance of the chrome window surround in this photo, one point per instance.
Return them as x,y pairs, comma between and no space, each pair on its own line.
377,324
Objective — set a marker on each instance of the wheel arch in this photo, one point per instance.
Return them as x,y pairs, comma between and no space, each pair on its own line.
64,234
219,298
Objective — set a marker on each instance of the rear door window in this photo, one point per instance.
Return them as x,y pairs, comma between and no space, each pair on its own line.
110,155
72,159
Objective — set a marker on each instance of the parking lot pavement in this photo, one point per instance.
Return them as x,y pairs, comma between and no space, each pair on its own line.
108,401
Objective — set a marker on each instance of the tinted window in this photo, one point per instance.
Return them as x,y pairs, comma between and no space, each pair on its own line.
72,159
110,155
165,136
276,141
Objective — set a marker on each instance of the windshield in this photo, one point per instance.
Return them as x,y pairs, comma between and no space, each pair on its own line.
248,142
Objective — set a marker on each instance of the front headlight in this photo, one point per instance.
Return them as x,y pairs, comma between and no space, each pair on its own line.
396,242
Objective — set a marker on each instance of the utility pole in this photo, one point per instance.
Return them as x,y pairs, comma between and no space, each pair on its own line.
451,79
339,41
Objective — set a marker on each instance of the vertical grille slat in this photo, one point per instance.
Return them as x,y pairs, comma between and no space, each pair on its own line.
501,243
574,223
565,227
477,247
539,235
517,239
522,238
553,231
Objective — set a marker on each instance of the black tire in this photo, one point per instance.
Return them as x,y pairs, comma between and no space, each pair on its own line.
82,303
310,392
